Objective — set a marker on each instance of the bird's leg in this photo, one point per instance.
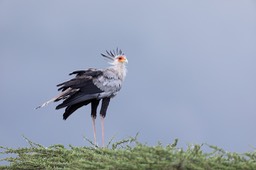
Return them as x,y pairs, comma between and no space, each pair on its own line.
94,130
103,111
102,130
94,105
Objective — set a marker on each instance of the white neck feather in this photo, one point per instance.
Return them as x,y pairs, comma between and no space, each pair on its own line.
120,68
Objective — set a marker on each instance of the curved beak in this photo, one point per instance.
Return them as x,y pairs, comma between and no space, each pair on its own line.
125,60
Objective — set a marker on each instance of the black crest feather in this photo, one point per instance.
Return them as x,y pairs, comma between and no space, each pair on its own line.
112,54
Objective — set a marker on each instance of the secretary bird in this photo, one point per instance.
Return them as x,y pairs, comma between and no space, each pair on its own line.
92,86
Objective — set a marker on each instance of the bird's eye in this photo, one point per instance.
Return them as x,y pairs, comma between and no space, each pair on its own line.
121,59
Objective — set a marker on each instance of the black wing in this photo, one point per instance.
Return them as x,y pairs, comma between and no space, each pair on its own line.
83,77
89,72
82,86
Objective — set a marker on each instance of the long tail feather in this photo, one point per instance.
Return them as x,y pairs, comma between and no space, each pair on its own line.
46,103
60,96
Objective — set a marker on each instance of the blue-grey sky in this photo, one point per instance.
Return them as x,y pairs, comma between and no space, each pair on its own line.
191,71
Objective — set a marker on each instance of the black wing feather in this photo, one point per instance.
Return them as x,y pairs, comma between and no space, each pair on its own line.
82,77
71,109
75,99
90,72
83,87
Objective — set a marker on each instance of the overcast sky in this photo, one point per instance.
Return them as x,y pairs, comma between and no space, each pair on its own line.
191,71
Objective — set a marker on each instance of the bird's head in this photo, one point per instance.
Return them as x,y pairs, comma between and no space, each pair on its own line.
116,57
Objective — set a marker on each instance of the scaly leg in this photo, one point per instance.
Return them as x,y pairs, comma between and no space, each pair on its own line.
94,130
102,131
103,111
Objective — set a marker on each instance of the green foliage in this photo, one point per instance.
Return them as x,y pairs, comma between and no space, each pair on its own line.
126,154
